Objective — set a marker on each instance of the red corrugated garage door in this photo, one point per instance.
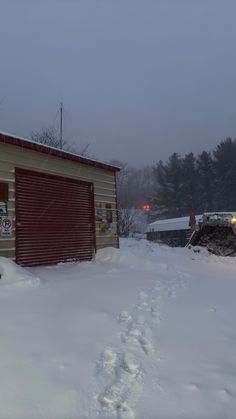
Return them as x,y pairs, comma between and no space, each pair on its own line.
54,219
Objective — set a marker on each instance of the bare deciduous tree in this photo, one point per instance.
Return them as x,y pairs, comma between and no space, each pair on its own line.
134,187
47,136
127,219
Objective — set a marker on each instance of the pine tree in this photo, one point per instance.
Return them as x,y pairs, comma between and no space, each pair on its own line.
169,180
206,182
225,172
190,184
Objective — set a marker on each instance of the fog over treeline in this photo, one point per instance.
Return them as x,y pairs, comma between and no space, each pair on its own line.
204,182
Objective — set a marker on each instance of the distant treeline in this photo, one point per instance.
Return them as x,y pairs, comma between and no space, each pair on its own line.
206,182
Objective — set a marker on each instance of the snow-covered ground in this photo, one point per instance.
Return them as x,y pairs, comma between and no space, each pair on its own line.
142,332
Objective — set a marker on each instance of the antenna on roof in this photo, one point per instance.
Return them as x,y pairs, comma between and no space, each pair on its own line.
61,119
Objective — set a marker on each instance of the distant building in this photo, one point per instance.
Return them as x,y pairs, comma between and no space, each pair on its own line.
172,231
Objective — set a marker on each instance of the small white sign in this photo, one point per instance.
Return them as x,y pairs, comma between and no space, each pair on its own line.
6,226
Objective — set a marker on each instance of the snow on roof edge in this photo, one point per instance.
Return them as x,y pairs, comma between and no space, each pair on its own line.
17,137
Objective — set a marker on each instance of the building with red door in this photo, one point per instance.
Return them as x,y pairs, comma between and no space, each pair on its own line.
55,206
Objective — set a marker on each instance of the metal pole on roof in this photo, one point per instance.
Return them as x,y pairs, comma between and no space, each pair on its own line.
61,119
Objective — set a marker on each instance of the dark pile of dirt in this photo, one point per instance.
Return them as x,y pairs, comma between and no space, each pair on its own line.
220,241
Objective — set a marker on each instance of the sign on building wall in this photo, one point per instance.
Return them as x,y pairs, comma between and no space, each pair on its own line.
104,218
5,226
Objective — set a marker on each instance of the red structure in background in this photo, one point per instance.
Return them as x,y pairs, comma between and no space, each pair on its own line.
146,207
192,219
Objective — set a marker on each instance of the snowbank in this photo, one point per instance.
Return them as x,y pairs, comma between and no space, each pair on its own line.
124,257
12,273
107,254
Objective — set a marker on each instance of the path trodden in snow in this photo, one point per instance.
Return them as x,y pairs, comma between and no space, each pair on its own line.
142,332
122,370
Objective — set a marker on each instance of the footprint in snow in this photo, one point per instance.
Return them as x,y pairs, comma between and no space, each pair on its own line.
108,361
125,317
193,387
112,406
136,337
130,364
156,316
125,371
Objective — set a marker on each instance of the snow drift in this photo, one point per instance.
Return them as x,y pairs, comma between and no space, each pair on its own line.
11,273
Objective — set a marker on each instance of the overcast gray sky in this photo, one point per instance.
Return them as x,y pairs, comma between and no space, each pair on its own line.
138,79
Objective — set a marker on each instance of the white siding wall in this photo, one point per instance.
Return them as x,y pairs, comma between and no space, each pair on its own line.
104,186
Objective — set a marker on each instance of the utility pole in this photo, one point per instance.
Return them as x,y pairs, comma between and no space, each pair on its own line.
61,119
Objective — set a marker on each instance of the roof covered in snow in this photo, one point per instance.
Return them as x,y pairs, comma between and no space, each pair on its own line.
181,223
32,145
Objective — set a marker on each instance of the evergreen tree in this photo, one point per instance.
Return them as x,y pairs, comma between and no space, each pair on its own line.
160,199
189,195
206,182
169,179
225,172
